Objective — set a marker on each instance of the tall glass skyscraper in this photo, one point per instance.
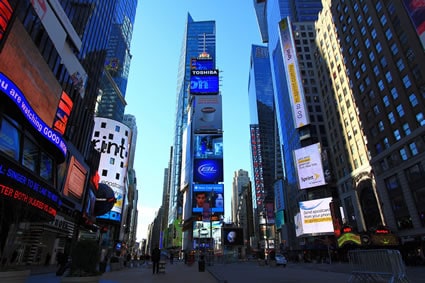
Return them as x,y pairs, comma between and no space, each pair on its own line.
111,97
199,36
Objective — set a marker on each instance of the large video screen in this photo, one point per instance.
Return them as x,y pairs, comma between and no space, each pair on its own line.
208,146
208,198
232,236
204,82
208,170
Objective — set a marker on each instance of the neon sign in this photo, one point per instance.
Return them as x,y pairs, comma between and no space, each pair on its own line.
23,197
9,88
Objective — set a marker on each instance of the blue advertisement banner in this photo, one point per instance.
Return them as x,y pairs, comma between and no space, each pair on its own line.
208,170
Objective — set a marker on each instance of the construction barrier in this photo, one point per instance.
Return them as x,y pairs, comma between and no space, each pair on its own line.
379,265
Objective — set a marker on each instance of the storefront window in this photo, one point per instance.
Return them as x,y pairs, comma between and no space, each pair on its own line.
9,139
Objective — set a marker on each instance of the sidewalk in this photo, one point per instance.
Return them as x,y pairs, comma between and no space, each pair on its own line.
176,272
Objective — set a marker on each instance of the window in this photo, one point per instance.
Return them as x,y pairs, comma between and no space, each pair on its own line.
46,167
386,143
367,42
383,20
381,85
376,70
386,101
397,135
413,100
9,139
394,93
388,77
381,126
403,154
378,6
384,62
373,33
406,129
420,119
400,110
388,34
369,21
378,47
400,65
394,49
413,149
30,155
391,118
376,110
406,81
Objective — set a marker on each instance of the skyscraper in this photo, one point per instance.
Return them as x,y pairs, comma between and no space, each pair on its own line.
199,37
111,97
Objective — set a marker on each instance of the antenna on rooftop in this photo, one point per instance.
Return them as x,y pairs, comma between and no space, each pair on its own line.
204,54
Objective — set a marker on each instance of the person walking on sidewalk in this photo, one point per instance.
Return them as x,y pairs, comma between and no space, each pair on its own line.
156,256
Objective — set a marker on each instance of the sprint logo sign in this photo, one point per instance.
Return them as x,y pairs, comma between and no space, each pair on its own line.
309,166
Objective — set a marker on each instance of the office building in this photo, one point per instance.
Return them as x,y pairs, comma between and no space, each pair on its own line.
378,79
199,37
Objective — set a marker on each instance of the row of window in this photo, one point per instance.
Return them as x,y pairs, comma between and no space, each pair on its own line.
21,146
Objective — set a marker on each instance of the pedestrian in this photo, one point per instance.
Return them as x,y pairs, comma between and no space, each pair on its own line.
156,256
171,257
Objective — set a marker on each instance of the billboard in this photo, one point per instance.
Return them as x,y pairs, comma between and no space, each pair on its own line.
416,11
208,198
257,164
204,229
6,12
201,64
204,82
232,236
208,170
207,114
208,146
293,76
308,162
113,139
315,217
278,193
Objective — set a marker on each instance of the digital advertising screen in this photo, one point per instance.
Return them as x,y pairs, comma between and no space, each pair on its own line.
208,198
208,146
232,236
204,82
208,170
202,64
207,114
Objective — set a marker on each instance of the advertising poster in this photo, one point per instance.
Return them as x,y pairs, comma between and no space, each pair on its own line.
293,75
308,162
315,216
208,198
208,146
203,82
207,114
416,11
208,170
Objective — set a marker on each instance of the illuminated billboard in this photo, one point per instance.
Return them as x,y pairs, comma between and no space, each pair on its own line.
315,217
308,162
75,180
112,139
204,82
208,198
201,64
62,114
232,236
204,229
293,76
208,170
6,12
208,146
257,164
207,114
416,11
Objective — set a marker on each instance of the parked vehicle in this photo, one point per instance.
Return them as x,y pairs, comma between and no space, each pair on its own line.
281,260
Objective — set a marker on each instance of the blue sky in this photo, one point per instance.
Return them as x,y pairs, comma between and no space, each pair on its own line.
151,90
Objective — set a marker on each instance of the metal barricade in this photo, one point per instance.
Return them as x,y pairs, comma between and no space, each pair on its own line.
380,265
161,267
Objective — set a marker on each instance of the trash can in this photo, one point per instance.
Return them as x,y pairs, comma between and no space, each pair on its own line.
201,265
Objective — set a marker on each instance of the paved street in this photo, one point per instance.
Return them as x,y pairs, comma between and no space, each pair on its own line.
247,272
